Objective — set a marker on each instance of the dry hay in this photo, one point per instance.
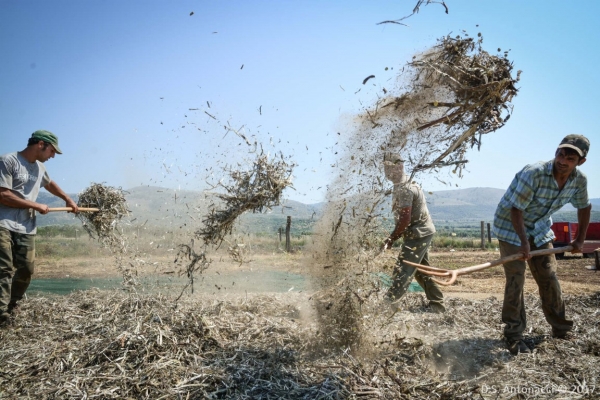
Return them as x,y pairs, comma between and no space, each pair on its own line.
339,315
447,98
103,225
239,252
189,263
106,345
253,189
472,89
416,9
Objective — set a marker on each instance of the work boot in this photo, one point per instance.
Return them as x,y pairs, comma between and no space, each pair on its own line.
4,319
12,307
564,335
517,346
437,308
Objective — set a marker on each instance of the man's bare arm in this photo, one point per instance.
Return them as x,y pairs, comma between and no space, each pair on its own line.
516,217
402,221
583,220
9,199
53,188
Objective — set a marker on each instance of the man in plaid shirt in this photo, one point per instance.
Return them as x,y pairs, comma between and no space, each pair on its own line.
522,224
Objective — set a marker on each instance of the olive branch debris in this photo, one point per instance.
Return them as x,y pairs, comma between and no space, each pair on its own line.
456,93
483,88
253,189
104,226
112,205
416,9
446,99
195,263
111,344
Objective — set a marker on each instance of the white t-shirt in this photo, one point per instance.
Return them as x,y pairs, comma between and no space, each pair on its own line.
24,179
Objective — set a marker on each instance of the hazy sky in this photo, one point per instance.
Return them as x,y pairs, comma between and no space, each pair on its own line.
139,92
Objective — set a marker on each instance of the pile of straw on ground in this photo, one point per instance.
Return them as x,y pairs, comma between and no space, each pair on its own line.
107,345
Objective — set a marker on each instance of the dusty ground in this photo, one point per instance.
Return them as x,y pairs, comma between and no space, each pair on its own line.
118,344
574,277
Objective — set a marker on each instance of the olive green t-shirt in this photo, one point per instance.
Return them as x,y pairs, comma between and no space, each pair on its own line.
409,194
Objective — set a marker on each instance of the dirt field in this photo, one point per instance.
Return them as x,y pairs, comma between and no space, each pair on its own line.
574,277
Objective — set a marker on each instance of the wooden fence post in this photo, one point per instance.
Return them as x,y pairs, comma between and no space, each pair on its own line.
280,231
489,233
482,234
288,226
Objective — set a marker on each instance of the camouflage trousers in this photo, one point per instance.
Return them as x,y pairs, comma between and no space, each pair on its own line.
543,269
17,255
417,251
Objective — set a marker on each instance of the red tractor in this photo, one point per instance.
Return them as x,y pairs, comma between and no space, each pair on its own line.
566,232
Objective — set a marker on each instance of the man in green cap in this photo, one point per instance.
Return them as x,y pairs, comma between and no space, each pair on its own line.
415,226
21,176
522,223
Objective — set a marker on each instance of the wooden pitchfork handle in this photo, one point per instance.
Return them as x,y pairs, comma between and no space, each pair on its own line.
81,209
453,274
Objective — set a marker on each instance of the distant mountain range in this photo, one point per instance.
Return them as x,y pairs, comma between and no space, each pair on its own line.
168,208
464,205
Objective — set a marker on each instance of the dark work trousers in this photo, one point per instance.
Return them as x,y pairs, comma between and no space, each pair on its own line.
17,255
417,251
543,269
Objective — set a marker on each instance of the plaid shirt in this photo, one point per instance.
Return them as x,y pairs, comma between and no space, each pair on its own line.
535,192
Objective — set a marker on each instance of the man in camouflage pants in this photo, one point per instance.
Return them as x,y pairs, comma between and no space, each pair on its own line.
21,176
522,223
414,224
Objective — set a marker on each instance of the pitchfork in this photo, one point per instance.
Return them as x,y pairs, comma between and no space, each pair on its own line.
453,274
54,209
81,209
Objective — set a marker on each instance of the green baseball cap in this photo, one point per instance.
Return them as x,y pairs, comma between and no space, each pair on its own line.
579,143
47,137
